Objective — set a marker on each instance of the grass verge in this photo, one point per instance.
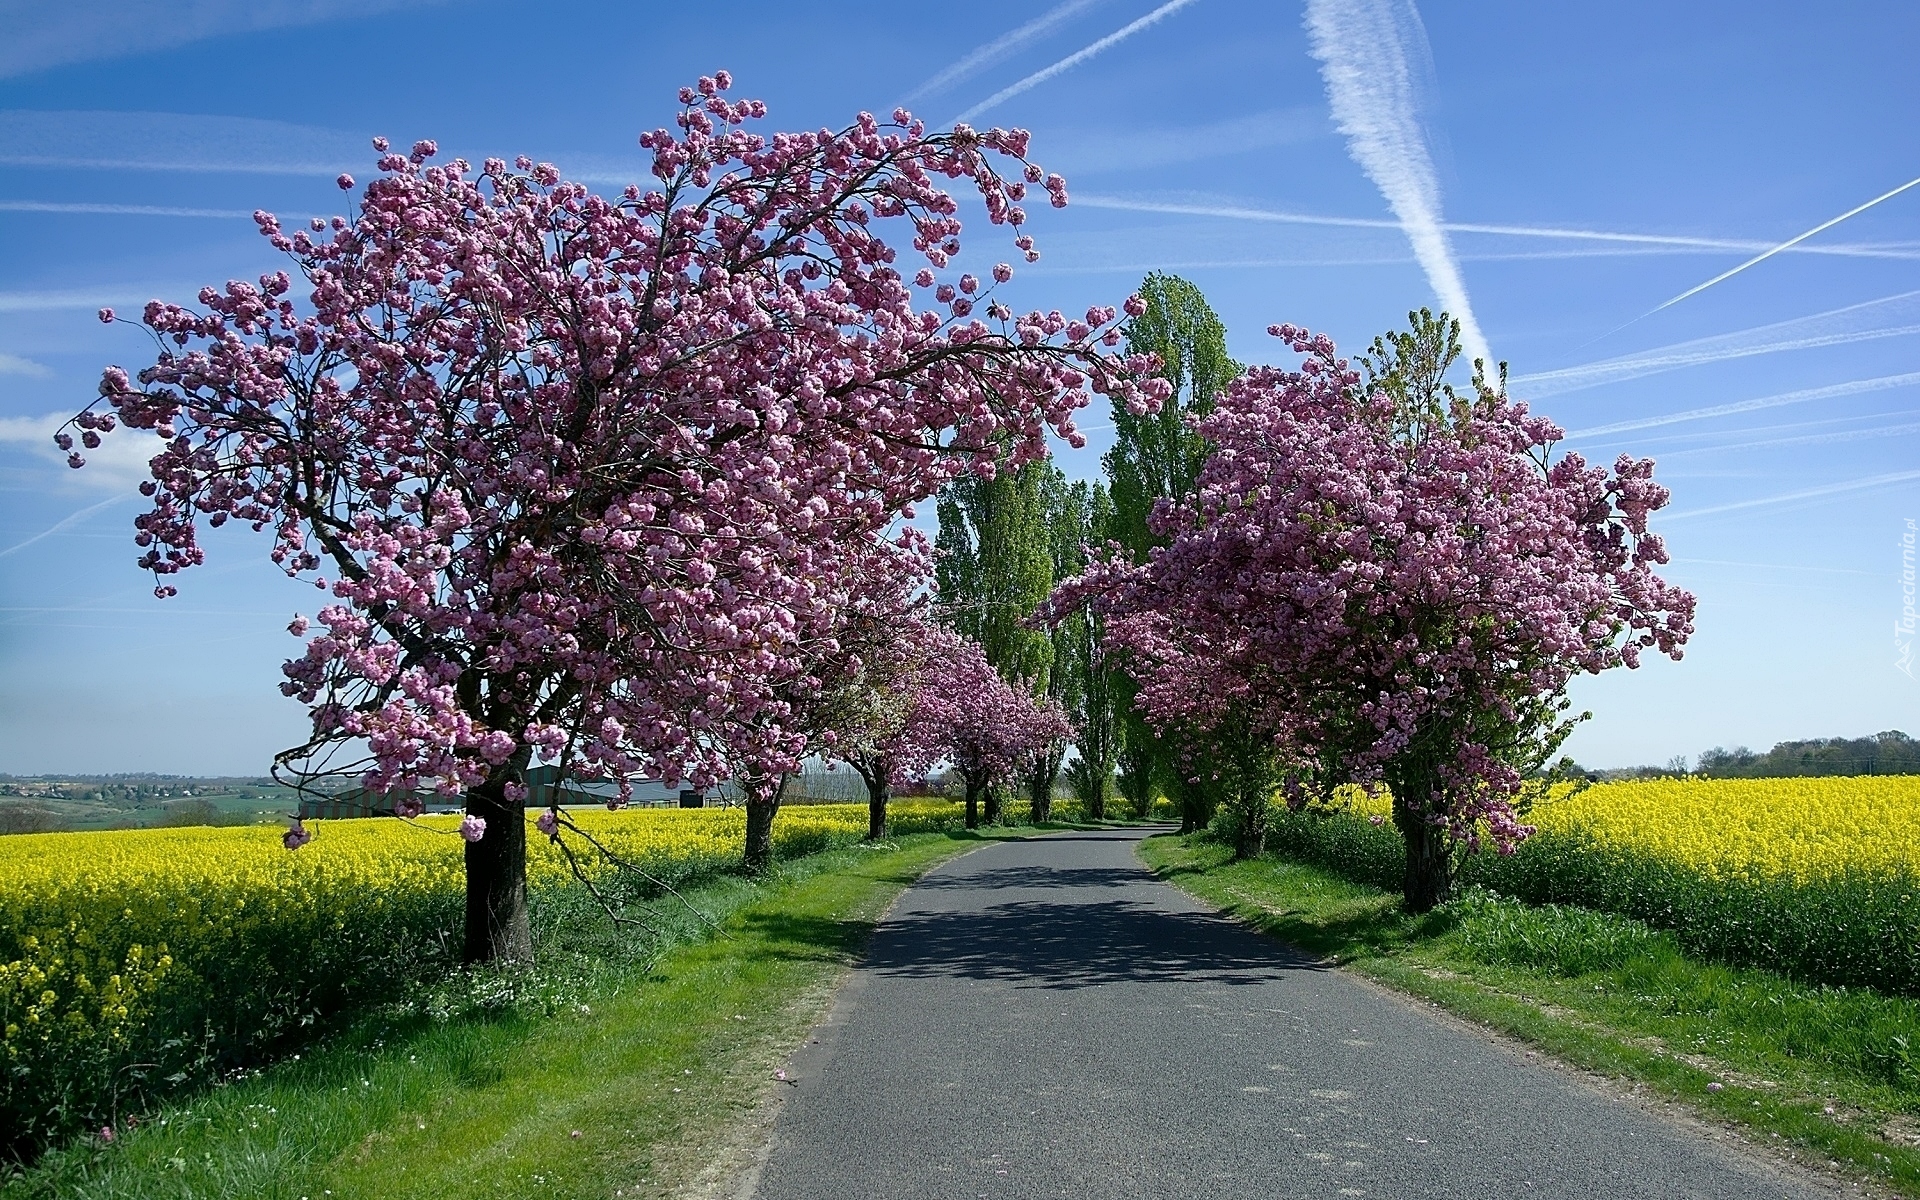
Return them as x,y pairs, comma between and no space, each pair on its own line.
619,1068
1829,1075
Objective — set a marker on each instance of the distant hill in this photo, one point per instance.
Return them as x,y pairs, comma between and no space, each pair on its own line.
1889,753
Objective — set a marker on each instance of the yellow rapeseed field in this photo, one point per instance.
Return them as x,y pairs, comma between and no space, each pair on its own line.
1803,829
103,934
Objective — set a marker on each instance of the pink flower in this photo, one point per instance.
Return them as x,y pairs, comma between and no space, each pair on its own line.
548,823
473,828
106,1134
409,807
296,837
344,182
1715,1086
106,316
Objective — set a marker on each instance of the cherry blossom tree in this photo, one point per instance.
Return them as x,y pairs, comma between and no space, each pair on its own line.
898,655
857,674
1392,584
969,715
568,467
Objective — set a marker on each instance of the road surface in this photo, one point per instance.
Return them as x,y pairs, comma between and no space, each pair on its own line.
1044,1018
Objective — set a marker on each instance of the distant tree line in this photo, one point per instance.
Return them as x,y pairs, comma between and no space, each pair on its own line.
1889,753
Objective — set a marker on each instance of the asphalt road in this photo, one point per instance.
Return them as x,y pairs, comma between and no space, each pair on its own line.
1044,1018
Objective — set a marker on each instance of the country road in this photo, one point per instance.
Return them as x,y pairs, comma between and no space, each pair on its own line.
1043,1018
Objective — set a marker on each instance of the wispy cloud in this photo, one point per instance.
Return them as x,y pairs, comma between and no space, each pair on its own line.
66,522
1835,327
13,364
124,210
1073,60
100,295
1789,244
118,464
1369,51
155,141
1830,391
1000,49
1831,489
42,35
1081,152
1652,241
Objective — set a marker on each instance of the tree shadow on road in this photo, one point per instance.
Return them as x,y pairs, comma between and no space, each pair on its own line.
1036,876
1037,944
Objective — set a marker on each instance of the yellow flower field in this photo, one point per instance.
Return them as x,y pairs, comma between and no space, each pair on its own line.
1802,829
131,945
1806,829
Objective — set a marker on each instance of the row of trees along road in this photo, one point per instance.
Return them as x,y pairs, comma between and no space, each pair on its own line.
616,484
606,482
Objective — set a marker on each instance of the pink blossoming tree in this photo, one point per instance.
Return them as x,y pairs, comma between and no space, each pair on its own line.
897,653
967,714
1391,584
566,465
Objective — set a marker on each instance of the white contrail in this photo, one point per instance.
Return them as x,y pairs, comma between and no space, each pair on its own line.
1789,244
1073,60
1720,435
1851,388
1834,327
1808,439
134,210
1001,48
1832,489
69,520
1363,48
1908,251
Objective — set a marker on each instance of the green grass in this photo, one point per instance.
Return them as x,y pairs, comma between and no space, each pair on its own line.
1858,929
656,1056
1831,1075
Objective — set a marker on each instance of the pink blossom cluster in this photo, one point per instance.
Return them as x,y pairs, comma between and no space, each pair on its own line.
1386,604
594,479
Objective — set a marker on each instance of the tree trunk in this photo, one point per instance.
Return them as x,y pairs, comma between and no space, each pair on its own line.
992,813
1252,837
874,772
1042,794
763,801
876,810
1429,880
497,928
1097,807
973,804
1191,799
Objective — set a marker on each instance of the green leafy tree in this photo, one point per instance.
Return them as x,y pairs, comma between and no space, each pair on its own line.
1097,680
1155,457
996,566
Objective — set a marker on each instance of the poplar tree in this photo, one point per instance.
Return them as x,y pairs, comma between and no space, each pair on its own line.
1158,456
996,567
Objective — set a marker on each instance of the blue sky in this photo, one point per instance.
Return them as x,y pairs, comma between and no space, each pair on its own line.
1561,169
